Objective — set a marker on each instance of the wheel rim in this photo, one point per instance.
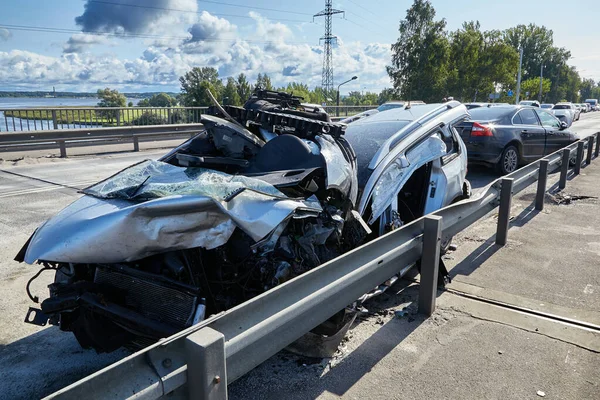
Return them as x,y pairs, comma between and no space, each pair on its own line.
510,160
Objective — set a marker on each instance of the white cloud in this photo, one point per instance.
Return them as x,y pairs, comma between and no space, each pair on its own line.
266,47
80,42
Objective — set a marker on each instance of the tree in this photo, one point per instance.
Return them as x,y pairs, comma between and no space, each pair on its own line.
532,85
480,62
387,94
110,98
195,83
587,88
158,100
230,93
244,88
264,82
420,55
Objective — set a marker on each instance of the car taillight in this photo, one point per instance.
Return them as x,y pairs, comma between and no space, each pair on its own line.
481,130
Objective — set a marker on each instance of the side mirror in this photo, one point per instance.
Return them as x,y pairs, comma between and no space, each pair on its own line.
563,125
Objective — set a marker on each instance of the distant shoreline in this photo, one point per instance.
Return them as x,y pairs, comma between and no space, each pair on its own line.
73,95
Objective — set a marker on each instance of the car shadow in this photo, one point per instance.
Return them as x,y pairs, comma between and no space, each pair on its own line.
46,361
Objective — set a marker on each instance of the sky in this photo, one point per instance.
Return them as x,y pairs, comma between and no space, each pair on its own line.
166,38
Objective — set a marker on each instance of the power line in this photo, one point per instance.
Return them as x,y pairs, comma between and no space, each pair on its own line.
364,8
186,11
219,3
128,35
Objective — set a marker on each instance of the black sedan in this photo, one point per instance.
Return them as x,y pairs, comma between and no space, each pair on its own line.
509,136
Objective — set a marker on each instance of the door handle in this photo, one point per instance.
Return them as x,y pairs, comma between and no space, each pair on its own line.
551,133
524,131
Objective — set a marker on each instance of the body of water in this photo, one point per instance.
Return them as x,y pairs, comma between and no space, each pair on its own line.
15,124
28,102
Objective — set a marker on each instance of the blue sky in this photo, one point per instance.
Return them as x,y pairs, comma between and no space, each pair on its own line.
251,38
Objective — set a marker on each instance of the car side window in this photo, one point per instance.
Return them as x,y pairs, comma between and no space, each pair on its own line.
517,119
449,136
548,120
528,117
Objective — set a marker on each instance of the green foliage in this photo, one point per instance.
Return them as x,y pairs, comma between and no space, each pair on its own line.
386,95
110,98
264,82
195,83
532,85
230,93
130,104
244,89
420,55
149,118
158,100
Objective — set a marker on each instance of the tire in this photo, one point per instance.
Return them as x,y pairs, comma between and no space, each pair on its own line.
509,160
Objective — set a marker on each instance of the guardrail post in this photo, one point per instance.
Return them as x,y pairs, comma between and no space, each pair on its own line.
541,187
577,169
597,151
564,168
169,116
206,372
430,263
136,143
63,148
54,120
590,149
118,117
504,211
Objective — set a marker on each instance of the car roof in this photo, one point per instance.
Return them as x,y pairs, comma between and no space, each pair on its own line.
399,114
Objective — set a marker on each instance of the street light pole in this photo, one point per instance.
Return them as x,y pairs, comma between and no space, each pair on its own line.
337,109
541,81
519,76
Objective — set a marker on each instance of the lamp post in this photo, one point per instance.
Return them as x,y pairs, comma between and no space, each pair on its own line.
337,109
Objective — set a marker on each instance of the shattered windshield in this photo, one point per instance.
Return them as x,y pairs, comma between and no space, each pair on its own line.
154,179
366,139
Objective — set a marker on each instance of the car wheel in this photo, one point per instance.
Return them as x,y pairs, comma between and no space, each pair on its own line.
509,161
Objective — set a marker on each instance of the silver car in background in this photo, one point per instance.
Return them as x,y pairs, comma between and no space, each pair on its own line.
410,162
566,112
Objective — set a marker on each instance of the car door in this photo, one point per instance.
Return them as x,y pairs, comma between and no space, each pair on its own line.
555,137
531,132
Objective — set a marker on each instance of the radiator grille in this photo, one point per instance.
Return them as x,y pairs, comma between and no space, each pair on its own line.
151,299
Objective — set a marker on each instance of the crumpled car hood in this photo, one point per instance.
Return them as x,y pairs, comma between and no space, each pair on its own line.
110,230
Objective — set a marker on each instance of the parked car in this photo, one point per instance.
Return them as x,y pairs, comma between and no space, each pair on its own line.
582,108
509,136
547,106
390,105
566,112
475,105
531,103
245,205
398,104
358,116
593,104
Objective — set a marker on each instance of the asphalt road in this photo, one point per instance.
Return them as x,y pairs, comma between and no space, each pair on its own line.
39,361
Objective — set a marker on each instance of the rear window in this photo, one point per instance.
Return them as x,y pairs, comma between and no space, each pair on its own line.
385,107
489,113
366,139
562,107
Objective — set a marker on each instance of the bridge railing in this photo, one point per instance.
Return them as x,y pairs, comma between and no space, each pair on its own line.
36,119
40,119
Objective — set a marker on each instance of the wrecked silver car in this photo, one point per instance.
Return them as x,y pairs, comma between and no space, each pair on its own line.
264,193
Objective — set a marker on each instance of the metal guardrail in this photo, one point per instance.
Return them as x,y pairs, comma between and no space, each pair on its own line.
16,141
204,358
45,119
